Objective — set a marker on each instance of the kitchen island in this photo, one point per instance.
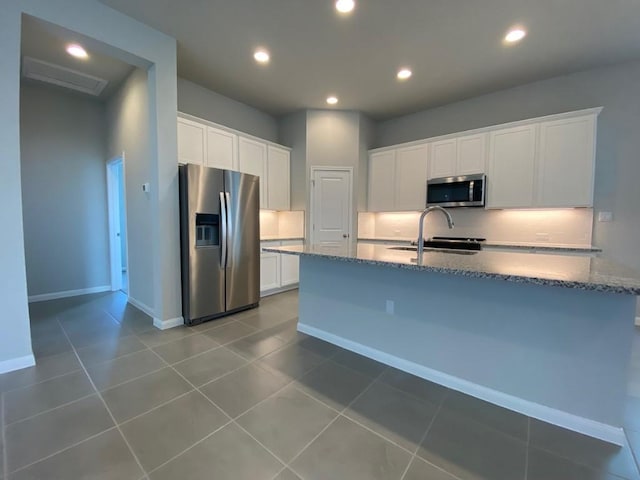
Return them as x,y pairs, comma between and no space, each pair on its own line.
546,335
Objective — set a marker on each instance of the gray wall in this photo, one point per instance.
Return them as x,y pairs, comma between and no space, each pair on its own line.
326,138
201,102
616,88
366,139
293,133
64,197
128,40
128,132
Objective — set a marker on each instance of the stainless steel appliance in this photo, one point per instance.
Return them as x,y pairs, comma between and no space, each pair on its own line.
220,242
462,191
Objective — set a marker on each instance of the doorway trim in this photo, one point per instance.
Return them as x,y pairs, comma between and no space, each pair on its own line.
312,214
113,207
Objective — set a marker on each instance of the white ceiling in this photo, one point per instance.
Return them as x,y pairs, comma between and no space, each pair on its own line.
48,42
453,46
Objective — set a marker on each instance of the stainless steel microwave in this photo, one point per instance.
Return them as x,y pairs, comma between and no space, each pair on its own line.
463,191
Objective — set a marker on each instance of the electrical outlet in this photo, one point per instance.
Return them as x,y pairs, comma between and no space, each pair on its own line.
605,216
391,307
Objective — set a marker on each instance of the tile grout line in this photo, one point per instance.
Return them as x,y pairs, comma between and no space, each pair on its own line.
635,456
5,465
102,362
30,417
135,417
424,437
339,414
113,419
47,457
155,469
233,419
526,455
46,380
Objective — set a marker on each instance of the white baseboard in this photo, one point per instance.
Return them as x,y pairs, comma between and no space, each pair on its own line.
68,293
166,324
141,306
17,363
267,293
160,324
592,428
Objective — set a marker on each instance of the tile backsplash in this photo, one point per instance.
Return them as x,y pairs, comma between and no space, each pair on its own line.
558,226
284,224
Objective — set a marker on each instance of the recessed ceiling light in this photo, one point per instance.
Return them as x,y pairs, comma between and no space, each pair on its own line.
515,35
345,6
404,73
332,100
261,55
77,51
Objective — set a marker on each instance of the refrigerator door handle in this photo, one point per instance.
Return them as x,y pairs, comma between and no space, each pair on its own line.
229,230
223,224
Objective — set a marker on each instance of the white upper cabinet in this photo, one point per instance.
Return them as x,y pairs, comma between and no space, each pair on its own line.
566,162
458,156
252,159
203,143
222,149
398,179
442,162
545,162
278,183
472,154
510,179
192,138
382,183
410,178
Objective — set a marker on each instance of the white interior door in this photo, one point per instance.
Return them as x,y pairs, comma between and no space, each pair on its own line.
117,224
331,206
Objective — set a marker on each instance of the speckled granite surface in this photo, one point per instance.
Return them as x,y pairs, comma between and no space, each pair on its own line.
498,245
279,239
570,271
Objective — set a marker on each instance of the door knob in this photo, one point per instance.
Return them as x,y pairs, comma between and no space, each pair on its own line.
345,235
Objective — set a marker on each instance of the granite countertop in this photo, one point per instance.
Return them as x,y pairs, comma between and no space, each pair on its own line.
571,271
279,239
503,245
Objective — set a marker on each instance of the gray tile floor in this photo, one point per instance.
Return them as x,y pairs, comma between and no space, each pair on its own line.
248,397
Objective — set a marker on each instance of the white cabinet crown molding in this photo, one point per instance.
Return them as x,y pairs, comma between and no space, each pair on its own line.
209,123
556,116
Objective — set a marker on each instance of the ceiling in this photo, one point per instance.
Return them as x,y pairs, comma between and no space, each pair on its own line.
48,42
454,47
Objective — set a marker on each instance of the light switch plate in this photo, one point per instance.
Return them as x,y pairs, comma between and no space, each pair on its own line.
605,216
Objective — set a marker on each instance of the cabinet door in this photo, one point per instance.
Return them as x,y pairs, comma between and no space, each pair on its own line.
278,184
510,180
382,181
290,266
411,178
269,271
252,158
566,162
221,149
192,137
442,161
472,154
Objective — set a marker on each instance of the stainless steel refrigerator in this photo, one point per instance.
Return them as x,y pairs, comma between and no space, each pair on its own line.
220,242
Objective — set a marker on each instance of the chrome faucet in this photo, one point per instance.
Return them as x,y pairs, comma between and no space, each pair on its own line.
421,227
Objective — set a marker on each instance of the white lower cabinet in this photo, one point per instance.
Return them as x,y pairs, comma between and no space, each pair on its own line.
289,266
269,271
278,271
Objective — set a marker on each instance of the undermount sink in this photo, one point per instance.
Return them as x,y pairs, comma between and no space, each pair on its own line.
456,250
453,244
